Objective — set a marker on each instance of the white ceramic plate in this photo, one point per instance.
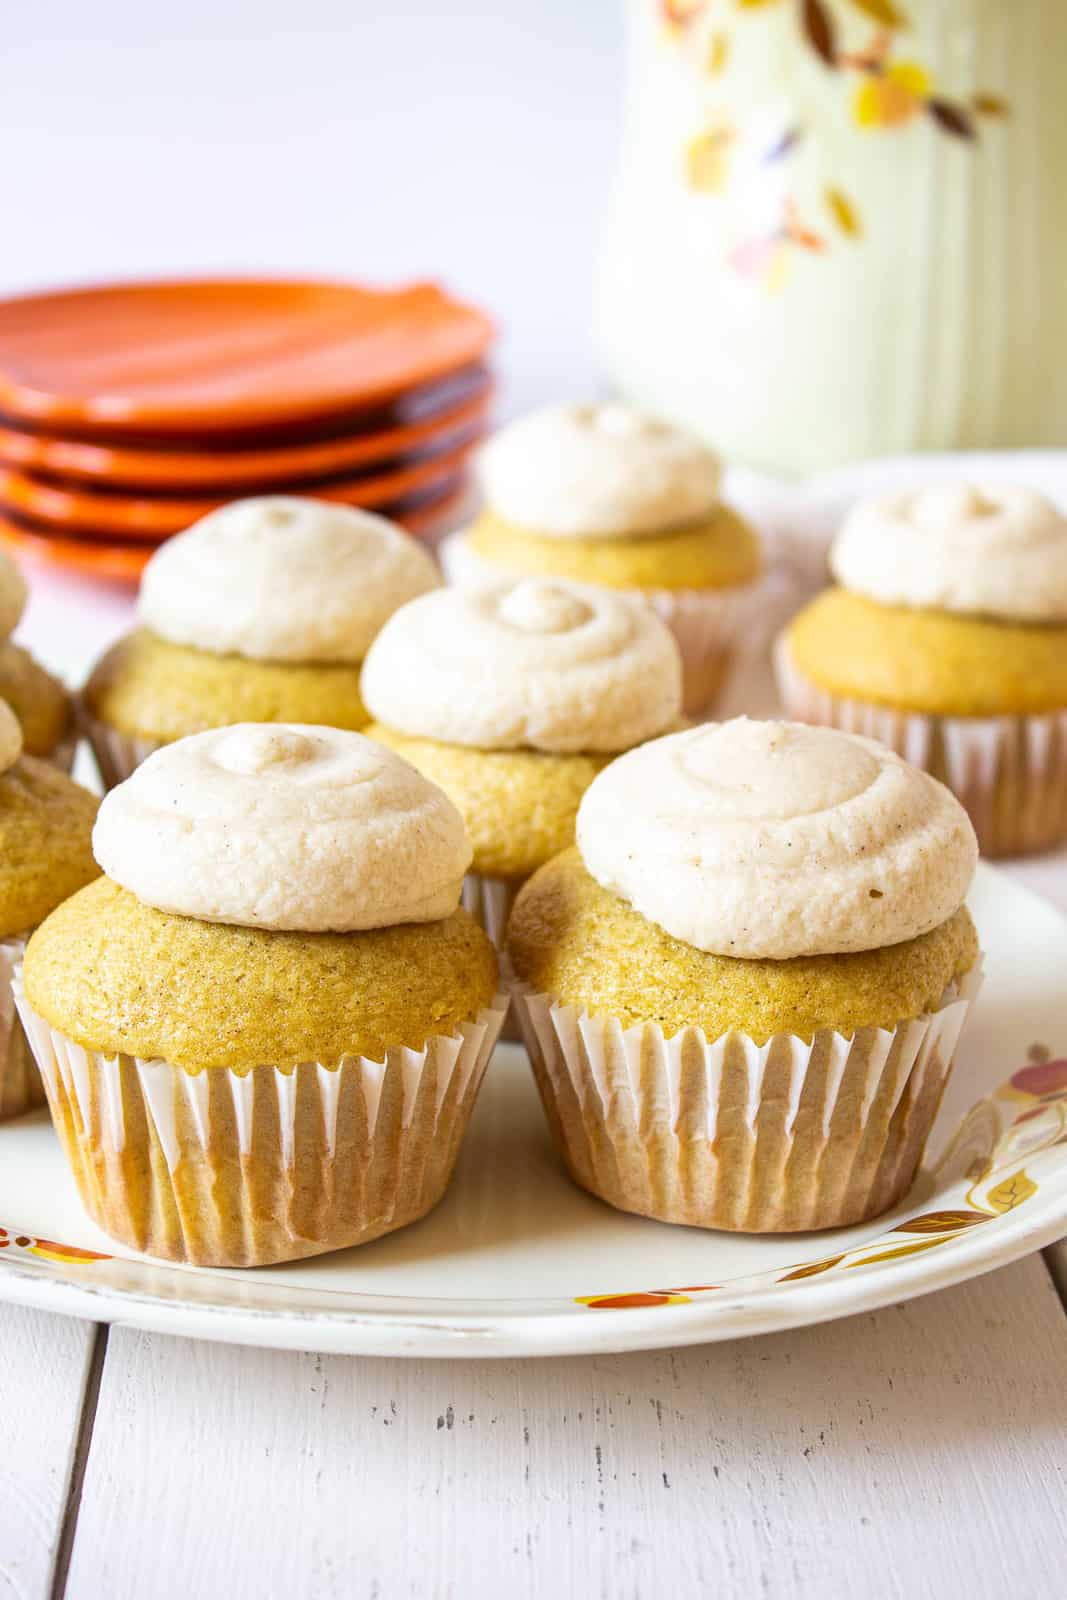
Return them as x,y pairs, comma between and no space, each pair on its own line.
516,1261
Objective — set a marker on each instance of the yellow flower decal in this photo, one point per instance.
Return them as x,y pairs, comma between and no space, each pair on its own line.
707,159
892,98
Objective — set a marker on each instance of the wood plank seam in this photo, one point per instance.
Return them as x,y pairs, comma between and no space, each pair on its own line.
79,1460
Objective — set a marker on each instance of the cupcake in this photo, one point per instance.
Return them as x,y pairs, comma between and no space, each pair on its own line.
45,854
947,640
604,495
263,1031
40,702
260,612
742,991
513,697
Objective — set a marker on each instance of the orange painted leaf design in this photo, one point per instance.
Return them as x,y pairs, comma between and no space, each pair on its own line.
1011,1192
810,1269
630,1302
883,11
819,27
952,118
941,1221
911,1249
844,212
990,105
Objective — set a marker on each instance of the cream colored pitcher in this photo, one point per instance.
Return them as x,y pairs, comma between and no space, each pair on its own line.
839,227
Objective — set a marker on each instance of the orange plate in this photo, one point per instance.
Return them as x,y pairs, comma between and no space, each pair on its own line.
117,562
54,509
196,355
175,470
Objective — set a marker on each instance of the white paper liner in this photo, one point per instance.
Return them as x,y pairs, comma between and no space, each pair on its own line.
1010,773
489,901
117,754
221,1168
729,1134
713,627
21,1088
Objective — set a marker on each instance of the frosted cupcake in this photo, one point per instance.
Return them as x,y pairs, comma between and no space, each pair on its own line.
45,826
947,640
604,495
260,612
40,703
513,697
262,1033
742,992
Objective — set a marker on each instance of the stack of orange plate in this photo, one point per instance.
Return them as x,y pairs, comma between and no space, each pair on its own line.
128,411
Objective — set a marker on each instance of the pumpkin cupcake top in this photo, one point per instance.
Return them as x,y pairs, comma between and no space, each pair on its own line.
280,578
13,595
535,664
774,840
284,827
996,552
45,826
587,471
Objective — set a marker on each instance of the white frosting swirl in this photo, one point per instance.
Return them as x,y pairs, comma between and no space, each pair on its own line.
598,472
771,840
999,552
284,826
536,663
13,595
10,737
283,579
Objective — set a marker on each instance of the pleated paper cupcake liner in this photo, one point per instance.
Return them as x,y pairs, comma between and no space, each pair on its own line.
714,628
489,901
62,755
227,1169
117,754
1010,773
21,1088
751,1138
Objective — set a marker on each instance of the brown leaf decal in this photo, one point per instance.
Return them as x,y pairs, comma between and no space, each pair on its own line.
1011,1192
941,1221
890,16
844,212
718,52
899,1250
990,105
951,118
810,1269
819,27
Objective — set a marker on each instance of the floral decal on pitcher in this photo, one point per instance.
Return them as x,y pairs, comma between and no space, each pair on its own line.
887,90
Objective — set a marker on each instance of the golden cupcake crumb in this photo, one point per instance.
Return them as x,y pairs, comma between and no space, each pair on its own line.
718,553
46,823
929,661
571,938
115,975
151,689
519,805
38,700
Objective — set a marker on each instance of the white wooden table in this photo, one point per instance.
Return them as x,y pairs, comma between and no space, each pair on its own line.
920,1451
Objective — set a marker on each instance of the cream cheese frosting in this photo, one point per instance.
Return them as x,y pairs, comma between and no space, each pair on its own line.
536,663
281,578
587,471
10,737
285,827
998,552
772,839
13,596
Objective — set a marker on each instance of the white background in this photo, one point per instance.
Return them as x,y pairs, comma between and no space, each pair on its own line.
378,139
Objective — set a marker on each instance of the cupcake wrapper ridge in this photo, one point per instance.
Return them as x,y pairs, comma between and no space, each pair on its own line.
21,1088
712,627
116,754
220,1168
730,1134
1009,773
